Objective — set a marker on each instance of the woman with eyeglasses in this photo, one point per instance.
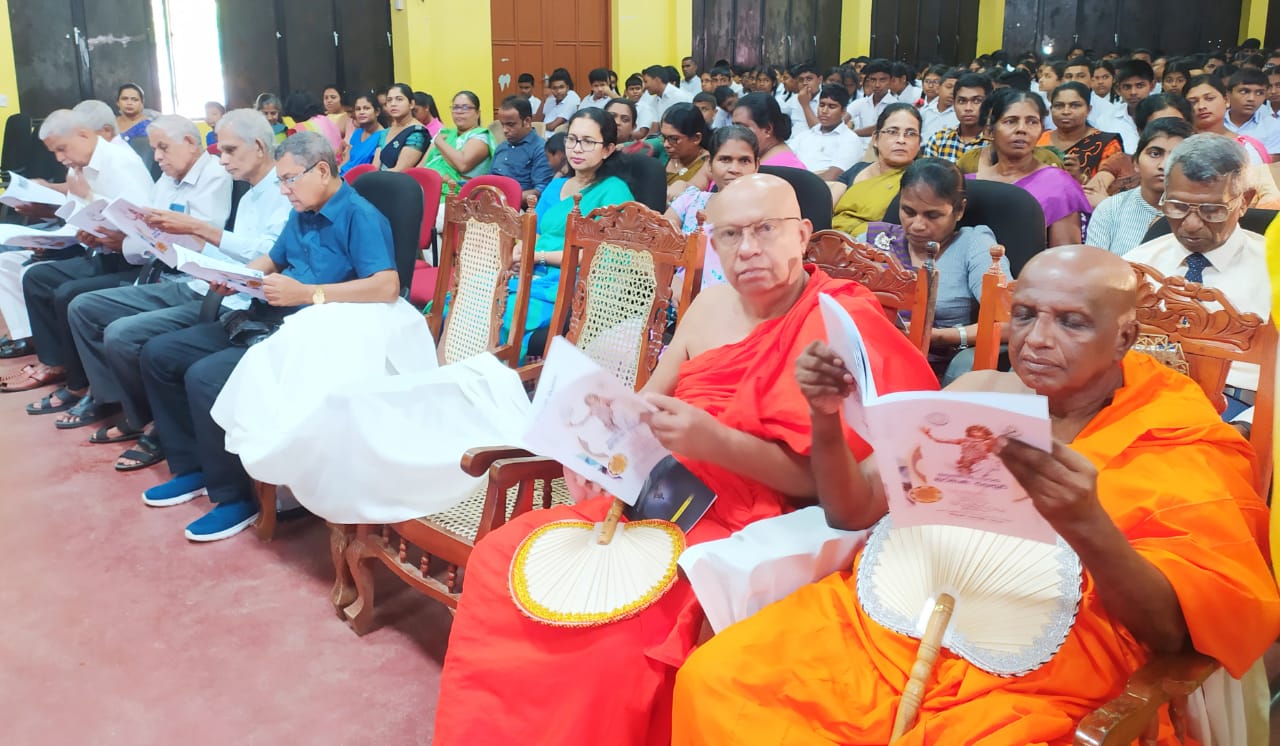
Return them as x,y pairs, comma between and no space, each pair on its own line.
464,151
401,145
684,136
589,147
1014,121
872,186
1084,147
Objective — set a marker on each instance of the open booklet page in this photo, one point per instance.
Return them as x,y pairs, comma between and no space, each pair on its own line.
595,425
18,237
91,218
236,276
132,221
24,191
936,449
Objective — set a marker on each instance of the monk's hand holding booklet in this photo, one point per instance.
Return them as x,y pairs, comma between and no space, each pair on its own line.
582,573
964,554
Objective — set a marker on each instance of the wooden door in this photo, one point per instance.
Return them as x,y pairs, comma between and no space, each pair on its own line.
310,38
250,50
759,32
70,50
1176,26
364,45
919,31
537,36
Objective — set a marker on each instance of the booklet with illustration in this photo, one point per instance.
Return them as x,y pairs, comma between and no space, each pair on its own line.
23,191
597,427
132,221
207,268
936,449
19,237
90,218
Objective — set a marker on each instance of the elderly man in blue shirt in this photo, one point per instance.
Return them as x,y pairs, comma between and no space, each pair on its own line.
336,247
523,156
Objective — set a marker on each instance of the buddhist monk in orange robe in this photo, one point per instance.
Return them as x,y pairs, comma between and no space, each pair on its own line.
1154,494
731,410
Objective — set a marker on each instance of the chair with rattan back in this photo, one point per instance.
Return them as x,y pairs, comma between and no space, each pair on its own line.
615,293
486,243
904,293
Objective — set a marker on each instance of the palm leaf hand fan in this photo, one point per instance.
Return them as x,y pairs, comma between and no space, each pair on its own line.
1003,603
584,574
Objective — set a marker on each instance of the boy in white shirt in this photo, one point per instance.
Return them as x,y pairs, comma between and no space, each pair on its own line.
829,147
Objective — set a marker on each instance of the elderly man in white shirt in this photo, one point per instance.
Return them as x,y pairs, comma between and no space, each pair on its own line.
192,182
110,326
659,96
96,170
1206,192
99,117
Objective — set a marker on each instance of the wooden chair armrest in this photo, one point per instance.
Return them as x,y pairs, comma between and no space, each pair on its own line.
1128,717
522,471
476,461
531,371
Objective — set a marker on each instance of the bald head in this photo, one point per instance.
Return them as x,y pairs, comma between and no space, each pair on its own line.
1106,279
1072,321
759,236
753,197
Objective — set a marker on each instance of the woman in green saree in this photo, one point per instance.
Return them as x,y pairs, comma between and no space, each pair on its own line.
896,142
466,149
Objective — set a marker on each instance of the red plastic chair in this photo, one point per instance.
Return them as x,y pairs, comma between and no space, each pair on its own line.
509,187
356,172
432,184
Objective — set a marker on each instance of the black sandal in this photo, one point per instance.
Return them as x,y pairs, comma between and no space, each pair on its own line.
125,435
146,452
86,412
46,405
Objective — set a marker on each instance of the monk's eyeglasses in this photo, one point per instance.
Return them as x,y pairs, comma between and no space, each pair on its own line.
731,236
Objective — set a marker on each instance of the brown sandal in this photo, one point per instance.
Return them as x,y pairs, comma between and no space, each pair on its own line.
30,377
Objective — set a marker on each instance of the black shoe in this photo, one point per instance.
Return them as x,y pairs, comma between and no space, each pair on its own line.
17,348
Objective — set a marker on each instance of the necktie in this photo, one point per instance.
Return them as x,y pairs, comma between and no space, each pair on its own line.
1195,267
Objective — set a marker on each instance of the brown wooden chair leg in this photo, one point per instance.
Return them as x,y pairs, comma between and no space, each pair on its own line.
359,613
265,526
344,590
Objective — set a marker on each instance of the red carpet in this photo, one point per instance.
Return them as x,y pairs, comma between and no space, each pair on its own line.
117,630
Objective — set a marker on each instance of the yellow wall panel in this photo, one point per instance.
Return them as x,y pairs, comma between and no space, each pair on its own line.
443,47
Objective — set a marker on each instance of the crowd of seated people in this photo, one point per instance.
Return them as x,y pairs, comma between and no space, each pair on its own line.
1106,147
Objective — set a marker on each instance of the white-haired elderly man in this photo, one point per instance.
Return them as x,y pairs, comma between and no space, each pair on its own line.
110,326
192,182
336,247
1206,191
93,171
100,118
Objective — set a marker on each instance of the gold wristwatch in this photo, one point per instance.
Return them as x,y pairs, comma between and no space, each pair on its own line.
317,298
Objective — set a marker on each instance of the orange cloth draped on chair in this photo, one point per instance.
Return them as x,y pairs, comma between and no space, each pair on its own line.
815,669
508,679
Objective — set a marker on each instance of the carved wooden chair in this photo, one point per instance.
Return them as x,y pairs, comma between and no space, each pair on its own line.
899,290
484,240
615,291
1210,334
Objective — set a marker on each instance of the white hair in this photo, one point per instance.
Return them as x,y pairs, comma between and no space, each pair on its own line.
308,148
250,126
97,115
63,123
176,127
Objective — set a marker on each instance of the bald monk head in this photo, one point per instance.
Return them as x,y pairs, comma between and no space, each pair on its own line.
759,236
1072,322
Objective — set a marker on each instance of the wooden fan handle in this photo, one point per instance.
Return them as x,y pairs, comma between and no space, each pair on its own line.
926,657
611,522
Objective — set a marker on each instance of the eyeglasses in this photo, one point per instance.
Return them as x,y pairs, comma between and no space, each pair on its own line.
670,139
1209,212
894,133
587,144
731,237
289,181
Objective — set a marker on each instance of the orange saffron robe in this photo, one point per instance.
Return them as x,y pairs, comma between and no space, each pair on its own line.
813,668
510,680
1273,267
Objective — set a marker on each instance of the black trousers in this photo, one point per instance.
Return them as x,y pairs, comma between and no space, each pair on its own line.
183,372
49,287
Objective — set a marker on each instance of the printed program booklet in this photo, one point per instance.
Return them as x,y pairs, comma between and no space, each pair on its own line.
935,449
597,427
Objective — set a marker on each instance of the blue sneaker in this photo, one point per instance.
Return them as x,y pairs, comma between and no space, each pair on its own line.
182,488
224,521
